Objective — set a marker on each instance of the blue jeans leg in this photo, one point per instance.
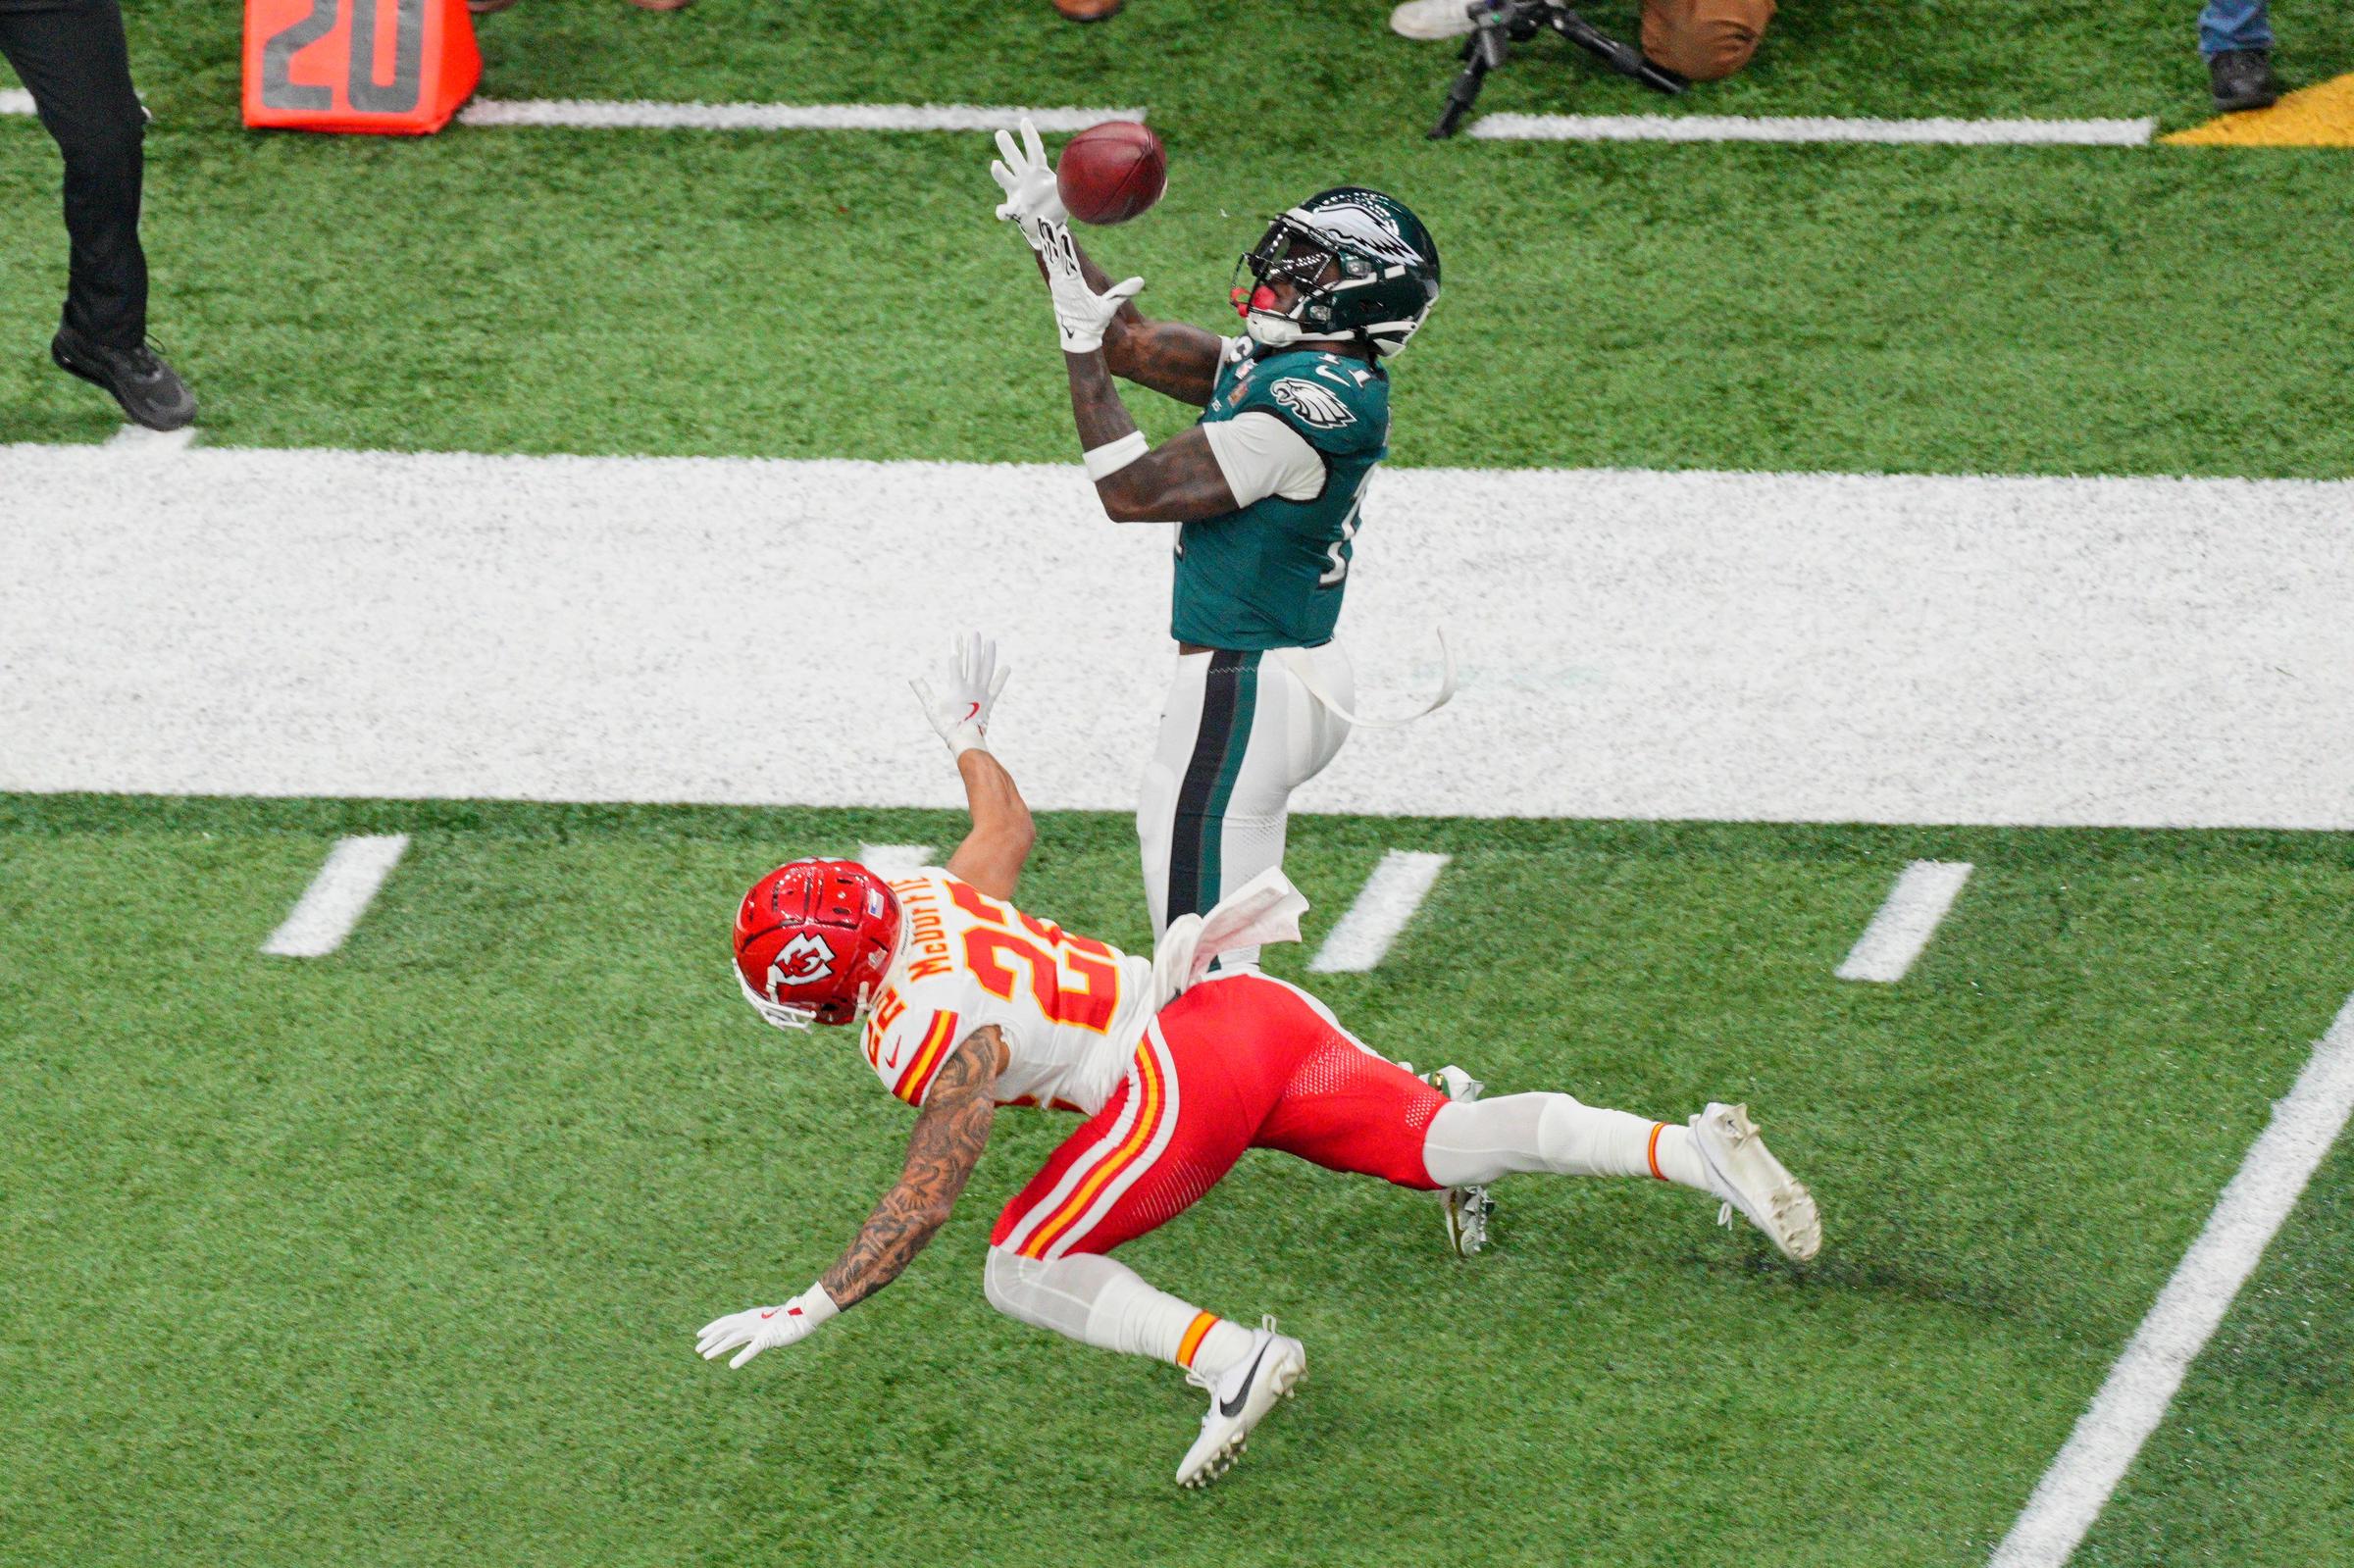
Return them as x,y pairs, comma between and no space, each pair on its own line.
2233,24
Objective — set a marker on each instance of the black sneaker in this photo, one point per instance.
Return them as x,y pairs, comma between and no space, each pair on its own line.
2242,78
150,391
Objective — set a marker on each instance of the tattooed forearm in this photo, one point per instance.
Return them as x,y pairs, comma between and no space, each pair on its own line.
942,1151
1172,357
1096,403
1177,481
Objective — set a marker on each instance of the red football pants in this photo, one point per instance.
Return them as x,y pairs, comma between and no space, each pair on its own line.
1242,1061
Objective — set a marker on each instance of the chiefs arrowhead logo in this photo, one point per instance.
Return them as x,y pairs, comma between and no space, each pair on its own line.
804,961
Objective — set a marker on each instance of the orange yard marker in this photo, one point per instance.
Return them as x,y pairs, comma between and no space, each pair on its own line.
386,67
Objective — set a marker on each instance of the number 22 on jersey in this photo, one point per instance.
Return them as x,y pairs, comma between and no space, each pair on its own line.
1073,980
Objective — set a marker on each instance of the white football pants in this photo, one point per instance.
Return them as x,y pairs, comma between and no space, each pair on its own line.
1239,733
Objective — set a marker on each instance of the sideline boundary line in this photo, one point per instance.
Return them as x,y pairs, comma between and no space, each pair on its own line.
2142,1384
645,115
1816,129
1986,709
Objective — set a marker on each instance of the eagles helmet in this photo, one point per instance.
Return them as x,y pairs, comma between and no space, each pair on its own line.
1386,280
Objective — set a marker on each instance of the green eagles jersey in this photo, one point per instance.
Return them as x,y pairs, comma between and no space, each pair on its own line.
1271,576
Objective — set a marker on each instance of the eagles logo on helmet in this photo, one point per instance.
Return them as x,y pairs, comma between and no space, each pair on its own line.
813,940
1385,268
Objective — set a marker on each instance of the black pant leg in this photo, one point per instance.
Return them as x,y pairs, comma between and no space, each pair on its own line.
75,64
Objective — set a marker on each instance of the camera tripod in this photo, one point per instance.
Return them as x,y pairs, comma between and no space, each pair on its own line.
1504,23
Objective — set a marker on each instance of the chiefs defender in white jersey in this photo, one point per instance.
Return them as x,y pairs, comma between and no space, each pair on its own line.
970,1005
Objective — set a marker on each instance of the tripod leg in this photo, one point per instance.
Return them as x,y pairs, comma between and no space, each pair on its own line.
1459,97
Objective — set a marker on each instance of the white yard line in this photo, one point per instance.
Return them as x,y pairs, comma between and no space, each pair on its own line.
337,896
2142,1384
1791,647
894,860
1383,907
1811,129
139,439
598,115
1906,922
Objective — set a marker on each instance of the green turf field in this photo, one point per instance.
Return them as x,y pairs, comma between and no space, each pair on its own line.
2155,310
395,1256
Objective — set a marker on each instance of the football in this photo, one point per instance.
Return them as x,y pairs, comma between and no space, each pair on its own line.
1112,172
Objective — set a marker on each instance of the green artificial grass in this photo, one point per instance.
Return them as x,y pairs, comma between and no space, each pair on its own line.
395,1256
2158,310
2251,1463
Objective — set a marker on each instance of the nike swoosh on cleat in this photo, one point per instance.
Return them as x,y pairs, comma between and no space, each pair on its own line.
1243,1398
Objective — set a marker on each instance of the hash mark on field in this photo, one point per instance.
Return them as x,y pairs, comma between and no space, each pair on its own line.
1382,907
2305,1122
1814,129
894,860
1906,922
337,896
641,115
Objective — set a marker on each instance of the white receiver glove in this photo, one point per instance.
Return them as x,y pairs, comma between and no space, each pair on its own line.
1023,173
765,1327
969,683
1080,313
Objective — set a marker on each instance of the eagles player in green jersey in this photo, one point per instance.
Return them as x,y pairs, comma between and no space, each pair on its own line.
1270,485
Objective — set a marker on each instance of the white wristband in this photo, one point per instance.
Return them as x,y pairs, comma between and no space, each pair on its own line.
1108,459
816,1305
967,738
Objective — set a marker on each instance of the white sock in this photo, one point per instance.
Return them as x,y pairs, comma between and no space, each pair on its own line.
1475,1142
1104,1303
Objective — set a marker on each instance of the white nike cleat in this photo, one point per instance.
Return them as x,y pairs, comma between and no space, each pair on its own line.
1744,1173
1240,1397
1467,1208
1427,21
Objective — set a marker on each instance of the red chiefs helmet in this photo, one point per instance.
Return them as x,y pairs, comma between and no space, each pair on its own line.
813,940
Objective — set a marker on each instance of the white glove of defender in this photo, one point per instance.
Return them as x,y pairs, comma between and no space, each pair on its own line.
1027,179
969,683
1080,313
765,1327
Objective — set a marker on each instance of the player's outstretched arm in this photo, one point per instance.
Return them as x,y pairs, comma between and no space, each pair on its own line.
942,1150
1173,358
993,854
1180,482
1177,481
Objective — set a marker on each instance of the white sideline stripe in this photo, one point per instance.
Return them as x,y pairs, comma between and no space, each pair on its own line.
894,860
337,896
153,443
643,115
16,101
1814,128
1906,922
1383,907
2132,652
2139,1387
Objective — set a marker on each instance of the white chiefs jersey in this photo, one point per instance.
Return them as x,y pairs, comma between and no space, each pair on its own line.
1071,1010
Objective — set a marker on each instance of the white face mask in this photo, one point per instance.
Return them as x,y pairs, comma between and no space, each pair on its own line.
1270,330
